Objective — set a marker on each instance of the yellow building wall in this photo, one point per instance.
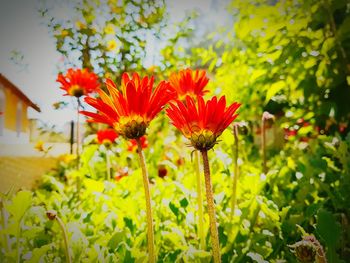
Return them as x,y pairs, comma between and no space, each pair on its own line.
10,110
10,113
25,121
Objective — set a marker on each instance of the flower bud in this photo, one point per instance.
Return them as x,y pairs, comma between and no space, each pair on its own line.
305,251
51,214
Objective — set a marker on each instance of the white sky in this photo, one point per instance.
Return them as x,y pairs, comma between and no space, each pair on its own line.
20,30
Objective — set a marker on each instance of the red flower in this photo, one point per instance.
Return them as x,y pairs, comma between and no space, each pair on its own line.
106,136
188,82
202,122
162,171
122,172
78,82
289,132
132,144
130,110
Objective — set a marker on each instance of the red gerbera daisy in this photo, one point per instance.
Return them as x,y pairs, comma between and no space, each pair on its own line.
78,82
106,136
132,144
189,82
130,110
202,122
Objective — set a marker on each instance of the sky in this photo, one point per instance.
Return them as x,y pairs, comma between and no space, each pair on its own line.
22,29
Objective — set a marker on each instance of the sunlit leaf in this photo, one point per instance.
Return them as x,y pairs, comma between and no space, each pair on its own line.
274,89
19,205
38,253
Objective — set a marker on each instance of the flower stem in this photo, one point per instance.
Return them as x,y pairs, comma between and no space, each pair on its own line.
78,132
235,175
18,252
108,164
199,201
263,144
77,149
211,209
150,235
65,238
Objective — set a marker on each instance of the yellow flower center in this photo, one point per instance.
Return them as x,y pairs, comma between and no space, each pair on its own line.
203,140
107,143
76,91
112,45
131,127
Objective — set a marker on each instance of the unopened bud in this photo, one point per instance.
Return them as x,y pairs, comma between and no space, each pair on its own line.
51,214
304,251
267,116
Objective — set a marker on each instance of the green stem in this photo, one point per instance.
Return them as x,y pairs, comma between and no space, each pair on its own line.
78,132
199,201
4,226
108,164
211,209
65,238
235,175
263,144
150,234
77,149
17,241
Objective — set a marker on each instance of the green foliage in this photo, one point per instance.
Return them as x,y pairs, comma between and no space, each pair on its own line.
106,220
329,230
289,58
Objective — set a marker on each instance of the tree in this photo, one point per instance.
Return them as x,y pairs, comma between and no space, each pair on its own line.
108,37
286,56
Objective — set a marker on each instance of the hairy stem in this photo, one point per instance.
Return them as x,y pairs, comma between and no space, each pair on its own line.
199,200
235,175
150,235
77,149
78,131
211,209
65,238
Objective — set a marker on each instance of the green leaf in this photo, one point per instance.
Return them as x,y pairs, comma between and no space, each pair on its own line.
93,185
344,29
129,224
38,253
184,202
175,238
20,204
192,254
88,153
275,87
331,164
256,257
173,208
305,130
116,239
328,228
